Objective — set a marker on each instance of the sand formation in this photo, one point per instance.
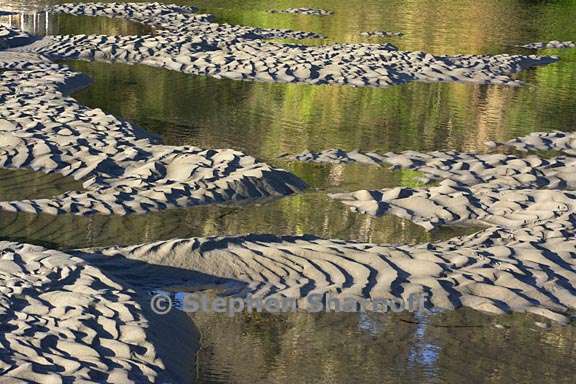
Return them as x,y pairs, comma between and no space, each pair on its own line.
123,169
64,319
491,189
559,141
64,312
550,44
381,34
12,37
497,270
303,11
191,43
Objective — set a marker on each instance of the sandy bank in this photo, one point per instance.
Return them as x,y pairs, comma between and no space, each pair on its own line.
303,11
490,189
550,44
63,319
497,270
192,43
124,170
84,311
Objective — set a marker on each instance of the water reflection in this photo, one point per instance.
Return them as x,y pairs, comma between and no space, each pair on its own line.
43,24
35,23
267,120
453,347
25,184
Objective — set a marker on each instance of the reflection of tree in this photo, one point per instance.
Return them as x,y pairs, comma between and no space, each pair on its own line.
266,120
68,25
331,348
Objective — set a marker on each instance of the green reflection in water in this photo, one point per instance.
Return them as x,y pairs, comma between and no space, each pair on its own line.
266,120
68,25
440,27
25,184
308,213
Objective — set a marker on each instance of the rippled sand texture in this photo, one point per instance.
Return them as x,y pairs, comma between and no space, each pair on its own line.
191,43
490,189
550,44
497,270
124,170
10,37
303,11
65,311
64,318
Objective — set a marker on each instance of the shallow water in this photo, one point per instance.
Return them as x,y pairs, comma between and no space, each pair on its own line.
387,348
266,120
41,24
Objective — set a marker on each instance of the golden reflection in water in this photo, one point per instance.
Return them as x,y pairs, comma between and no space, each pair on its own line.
266,120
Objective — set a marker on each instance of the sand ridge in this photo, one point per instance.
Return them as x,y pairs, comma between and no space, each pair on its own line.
124,170
497,270
65,319
381,34
12,37
192,43
491,189
564,142
303,11
64,311
550,44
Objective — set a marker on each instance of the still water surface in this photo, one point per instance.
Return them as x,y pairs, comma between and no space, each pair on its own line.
266,120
